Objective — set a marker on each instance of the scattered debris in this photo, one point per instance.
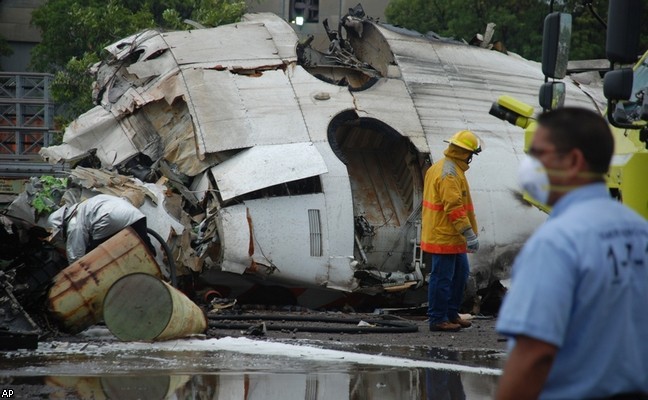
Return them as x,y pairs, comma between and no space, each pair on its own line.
257,330
17,329
266,165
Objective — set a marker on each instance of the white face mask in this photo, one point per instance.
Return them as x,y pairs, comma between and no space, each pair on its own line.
533,179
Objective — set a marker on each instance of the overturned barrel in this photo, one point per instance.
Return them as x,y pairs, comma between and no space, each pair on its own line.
140,386
140,307
76,297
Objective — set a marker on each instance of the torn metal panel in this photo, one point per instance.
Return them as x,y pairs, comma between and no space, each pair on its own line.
143,135
242,45
130,100
167,87
372,48
107,182
283,36
126,86
453,85
174,126
149,42
158,66
207,244
126,92
111,78
339,203
236,238
97,129
340,274
263,166
319,101
184,255
176,181
293,254
200,185
389,101
247,111
154,68
158,217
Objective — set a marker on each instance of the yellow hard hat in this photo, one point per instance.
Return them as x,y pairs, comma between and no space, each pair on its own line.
466,140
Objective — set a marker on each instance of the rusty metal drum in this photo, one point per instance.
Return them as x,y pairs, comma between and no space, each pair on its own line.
141,307
76,298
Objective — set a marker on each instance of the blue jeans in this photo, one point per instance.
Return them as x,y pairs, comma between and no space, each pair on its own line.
443,385
447,282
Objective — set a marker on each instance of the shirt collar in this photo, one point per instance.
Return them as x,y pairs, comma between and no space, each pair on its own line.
583,193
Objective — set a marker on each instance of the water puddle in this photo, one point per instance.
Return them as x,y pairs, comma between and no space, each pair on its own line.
476,358
237,368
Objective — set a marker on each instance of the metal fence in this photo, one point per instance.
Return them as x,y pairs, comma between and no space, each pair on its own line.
26,123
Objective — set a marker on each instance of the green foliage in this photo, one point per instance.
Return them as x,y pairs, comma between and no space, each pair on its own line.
173,19
588,35
219,12
419,15
72,86
519,22
209,13
46,199
73,28
74,33
5,50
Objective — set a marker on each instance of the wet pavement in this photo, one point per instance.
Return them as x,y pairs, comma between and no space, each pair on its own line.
281,365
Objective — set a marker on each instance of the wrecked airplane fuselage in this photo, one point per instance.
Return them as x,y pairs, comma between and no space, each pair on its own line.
303,167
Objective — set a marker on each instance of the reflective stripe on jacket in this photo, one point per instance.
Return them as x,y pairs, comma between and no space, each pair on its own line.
447,206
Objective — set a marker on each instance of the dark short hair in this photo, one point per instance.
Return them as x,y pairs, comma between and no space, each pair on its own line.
579,128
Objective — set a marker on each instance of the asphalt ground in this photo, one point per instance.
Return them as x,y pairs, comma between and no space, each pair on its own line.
403,336
387,334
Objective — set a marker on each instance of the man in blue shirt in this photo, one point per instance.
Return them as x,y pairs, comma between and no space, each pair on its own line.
576,309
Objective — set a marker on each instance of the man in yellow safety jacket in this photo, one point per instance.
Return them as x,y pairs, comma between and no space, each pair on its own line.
449,231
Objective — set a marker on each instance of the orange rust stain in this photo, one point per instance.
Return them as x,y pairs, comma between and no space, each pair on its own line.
251,245
252,268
